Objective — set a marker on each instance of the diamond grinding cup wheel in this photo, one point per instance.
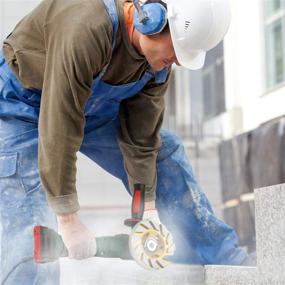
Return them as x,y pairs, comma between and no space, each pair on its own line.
150,243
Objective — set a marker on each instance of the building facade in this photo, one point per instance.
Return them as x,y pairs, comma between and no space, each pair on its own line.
233,113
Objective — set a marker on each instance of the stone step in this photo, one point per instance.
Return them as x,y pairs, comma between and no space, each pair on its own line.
230,275
118,272
270,238
270,234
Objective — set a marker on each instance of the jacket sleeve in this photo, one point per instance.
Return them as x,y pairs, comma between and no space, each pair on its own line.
140,119
73,57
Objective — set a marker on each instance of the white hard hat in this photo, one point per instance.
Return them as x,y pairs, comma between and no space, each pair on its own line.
197,26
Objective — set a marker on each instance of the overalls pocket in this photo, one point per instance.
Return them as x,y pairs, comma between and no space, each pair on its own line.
11,187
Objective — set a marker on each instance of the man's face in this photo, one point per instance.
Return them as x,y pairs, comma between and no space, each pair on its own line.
158,50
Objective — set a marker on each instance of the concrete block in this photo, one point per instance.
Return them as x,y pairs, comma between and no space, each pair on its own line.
230,275
270,237
270,231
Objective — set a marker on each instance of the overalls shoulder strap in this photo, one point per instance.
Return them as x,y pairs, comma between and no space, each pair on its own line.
111,8
112,11
161,76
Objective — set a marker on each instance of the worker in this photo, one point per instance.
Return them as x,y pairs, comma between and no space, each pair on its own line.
90,76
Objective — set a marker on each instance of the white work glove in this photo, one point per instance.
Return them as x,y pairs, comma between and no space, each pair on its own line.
151,215
78,240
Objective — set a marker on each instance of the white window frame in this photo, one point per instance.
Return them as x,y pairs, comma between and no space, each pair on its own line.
268,21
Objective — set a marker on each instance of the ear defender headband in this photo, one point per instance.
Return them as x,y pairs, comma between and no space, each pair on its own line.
149,19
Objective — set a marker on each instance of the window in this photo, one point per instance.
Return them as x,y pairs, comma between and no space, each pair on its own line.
207,87
275,42
213,89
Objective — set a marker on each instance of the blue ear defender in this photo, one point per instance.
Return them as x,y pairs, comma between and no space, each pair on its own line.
149,19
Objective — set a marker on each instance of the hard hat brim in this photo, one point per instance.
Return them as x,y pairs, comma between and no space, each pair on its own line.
191,59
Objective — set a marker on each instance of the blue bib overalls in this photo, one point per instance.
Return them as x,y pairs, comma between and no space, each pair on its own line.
200,237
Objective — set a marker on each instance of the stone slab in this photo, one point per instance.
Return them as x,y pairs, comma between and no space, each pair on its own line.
118,272
230,275
270,230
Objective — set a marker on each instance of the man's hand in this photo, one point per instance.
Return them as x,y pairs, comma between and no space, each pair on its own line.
151,215
149,205
150,212
151,243
78,240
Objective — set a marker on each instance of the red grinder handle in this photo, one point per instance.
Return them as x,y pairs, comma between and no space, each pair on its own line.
137,205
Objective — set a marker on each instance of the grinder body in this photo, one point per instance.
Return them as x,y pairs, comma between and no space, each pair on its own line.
49,246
